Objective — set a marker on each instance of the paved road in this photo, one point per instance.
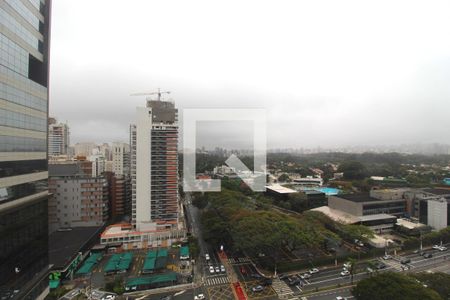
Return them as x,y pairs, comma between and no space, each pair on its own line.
328,295
332,277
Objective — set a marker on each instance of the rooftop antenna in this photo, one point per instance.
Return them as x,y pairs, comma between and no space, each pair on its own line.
159,93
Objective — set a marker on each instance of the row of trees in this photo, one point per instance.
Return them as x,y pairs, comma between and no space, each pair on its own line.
398,286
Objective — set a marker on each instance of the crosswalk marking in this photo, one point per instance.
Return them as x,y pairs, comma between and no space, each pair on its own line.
217,280
282,289
238,260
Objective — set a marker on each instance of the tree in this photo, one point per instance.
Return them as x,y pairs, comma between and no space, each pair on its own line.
440,282
389,285
284,178
352,268
353,170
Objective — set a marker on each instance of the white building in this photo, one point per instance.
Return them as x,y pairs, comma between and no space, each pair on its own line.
98,164
154,167
58,139
120,158
437,213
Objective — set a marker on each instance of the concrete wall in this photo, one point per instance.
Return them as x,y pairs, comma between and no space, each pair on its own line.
344,205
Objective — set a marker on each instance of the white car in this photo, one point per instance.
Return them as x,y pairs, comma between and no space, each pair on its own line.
217,270
340,298
306,275
211,270
199,297
387,256
222,269
207,256
345,273
314,270
443,248
436,247
347,265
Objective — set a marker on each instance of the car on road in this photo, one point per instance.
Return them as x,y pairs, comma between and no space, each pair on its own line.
207,257
387,256
169,297
217,269
379,265
200,297
340,298
109,297
222,269
439,248
211,269
345,273
313,271
405,261
257,288
427,255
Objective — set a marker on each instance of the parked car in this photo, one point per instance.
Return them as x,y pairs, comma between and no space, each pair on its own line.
207,257
217,269
436,247
313,271
379,265
428,255
257,288
222,269
211,269
345,273
255,275
283,276
347,265
387,256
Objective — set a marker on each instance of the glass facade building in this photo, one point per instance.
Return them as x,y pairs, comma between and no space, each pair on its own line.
24,61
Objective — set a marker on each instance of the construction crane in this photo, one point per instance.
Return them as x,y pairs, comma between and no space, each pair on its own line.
159,93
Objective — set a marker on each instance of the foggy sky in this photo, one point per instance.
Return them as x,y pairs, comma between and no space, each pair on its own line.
329,73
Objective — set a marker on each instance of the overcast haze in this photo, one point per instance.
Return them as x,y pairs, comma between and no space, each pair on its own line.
329,73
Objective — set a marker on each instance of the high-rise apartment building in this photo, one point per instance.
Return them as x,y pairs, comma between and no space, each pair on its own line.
156,214
24,60
154,166
120,158
58,139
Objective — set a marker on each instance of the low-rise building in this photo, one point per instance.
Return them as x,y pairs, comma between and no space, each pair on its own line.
363,204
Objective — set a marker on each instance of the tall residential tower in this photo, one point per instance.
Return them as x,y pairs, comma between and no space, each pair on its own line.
156,214
24,57
154,166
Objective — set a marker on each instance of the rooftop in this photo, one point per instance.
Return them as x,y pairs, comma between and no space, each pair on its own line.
337,215
376,217
408,224
280,189
65,245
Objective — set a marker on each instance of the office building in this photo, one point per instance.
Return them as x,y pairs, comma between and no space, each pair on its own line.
58,138
24,60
